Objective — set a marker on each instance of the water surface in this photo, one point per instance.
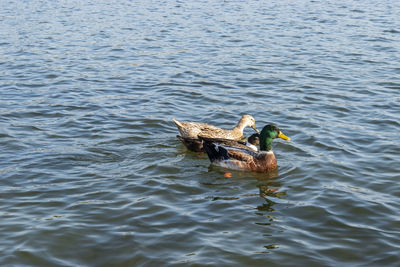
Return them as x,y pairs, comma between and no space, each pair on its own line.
93,175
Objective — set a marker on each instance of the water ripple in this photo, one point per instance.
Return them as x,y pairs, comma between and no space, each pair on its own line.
93,174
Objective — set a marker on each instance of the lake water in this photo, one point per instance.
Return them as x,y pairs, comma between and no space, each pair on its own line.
92,173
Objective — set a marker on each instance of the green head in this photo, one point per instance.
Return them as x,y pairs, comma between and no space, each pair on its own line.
269,133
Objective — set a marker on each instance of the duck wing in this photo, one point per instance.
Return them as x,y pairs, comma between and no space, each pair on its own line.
193,129
227,143
222,149
233,144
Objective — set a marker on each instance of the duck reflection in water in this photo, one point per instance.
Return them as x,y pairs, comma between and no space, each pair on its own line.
268,188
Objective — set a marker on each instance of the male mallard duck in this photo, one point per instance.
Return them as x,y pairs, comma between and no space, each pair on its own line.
190,131
243,158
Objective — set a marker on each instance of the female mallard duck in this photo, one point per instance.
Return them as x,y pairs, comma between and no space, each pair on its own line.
243,158
190,132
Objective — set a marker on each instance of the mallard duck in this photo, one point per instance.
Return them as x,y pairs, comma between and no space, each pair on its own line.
244,158
190,132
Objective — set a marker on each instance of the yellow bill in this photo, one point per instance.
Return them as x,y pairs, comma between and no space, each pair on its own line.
284,137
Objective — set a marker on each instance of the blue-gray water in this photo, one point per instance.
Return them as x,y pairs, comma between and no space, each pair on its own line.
91,171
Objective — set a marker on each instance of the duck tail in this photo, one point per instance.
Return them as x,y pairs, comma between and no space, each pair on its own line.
215,152
177,122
